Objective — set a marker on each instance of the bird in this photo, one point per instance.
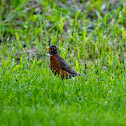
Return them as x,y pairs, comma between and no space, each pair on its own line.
59,66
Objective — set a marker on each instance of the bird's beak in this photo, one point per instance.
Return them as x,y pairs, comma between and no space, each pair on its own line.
48,48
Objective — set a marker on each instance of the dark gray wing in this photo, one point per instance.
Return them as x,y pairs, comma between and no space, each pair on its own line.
66,67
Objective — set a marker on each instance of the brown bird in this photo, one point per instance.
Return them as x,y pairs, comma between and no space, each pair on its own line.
59,66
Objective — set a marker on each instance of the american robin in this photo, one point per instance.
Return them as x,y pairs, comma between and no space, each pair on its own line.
58,65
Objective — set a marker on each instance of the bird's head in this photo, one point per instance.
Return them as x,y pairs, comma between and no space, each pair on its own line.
52,49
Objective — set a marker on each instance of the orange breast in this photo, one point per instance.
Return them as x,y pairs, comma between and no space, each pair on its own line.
54,64
55,67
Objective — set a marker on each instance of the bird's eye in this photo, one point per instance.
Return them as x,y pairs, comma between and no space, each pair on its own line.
53,48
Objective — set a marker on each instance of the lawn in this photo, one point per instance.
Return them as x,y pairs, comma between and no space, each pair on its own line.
90,36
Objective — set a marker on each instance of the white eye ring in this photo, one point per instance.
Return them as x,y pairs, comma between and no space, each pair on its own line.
53,48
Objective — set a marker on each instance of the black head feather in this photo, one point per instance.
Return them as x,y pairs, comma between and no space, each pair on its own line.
53,50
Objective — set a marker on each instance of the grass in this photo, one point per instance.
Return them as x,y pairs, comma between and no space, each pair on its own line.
90,37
